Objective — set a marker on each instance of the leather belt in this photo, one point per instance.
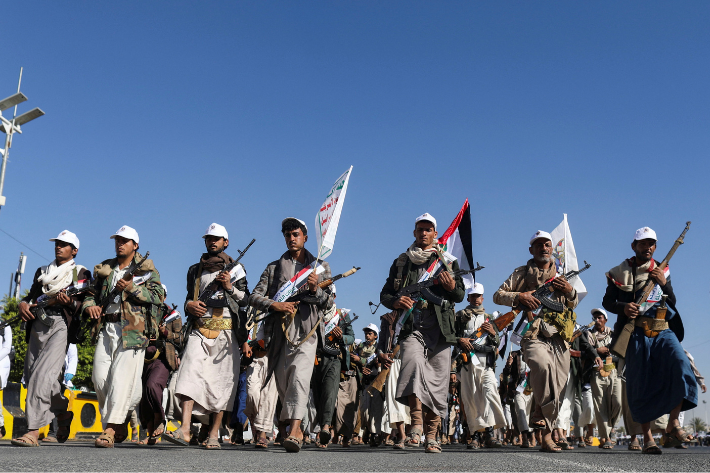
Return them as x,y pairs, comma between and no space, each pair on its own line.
112,317
649,324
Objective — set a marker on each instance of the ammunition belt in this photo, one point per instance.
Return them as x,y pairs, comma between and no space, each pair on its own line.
216,324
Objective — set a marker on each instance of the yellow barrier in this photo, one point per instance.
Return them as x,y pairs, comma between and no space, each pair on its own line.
85,425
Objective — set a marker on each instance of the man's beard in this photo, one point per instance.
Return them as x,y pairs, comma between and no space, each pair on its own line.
214,253
543,259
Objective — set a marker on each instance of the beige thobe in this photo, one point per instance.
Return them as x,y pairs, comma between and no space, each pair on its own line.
261,397
117,375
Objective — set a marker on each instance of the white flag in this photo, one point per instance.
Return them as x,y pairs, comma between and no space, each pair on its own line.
329,215
565,256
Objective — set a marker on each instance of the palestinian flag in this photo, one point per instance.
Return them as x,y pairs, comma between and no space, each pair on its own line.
457,241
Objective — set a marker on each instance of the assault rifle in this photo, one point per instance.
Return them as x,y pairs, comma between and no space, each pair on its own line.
46,301
114,297
622,341
215,285
331,345
421,289
301,292
10,321
543,294
80,327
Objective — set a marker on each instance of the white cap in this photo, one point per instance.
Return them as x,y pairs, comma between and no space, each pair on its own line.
645,232
297,219
540,234
68,237
216,230
126,232
165,288
372,327
600,311
477,288
426,217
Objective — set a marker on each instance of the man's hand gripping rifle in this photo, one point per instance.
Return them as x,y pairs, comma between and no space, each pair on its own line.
543,296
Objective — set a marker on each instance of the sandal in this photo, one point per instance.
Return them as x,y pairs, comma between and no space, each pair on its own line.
581,443
679,434
550,447
177,438
540,424
399,444
564,445
324,436
651,448
25,441
635,445
64,427
155,437
389,443
432,446
414,433
50,439
105,440
212,444
293,444
262,443
492,442
608,445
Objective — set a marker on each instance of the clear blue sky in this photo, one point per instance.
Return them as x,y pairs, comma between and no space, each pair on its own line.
167,116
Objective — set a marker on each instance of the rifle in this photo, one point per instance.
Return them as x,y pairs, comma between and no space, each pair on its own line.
10,321
622,341
580,331
207,294
421,289
543,294
215,285
501,322
379,382
46,301
79,330
114,296
298,295
331,345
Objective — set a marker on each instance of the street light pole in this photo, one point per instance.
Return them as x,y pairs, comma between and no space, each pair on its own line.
12,126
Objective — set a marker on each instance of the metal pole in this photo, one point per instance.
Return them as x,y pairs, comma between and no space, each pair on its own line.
8,144
12,279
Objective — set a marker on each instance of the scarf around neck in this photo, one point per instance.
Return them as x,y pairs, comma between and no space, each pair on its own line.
536,277
212,263
623,276
55,278
418,256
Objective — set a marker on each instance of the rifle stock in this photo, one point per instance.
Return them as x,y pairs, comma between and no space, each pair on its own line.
379,382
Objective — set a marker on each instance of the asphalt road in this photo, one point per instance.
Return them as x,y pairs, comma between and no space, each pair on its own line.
82,456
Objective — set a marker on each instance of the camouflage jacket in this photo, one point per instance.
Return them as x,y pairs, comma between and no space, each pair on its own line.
139,305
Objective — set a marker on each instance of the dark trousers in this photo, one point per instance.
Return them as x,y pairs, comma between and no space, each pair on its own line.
326,381
155,379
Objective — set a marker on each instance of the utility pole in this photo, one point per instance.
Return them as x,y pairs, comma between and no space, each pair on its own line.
13,126
18,275
12,279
